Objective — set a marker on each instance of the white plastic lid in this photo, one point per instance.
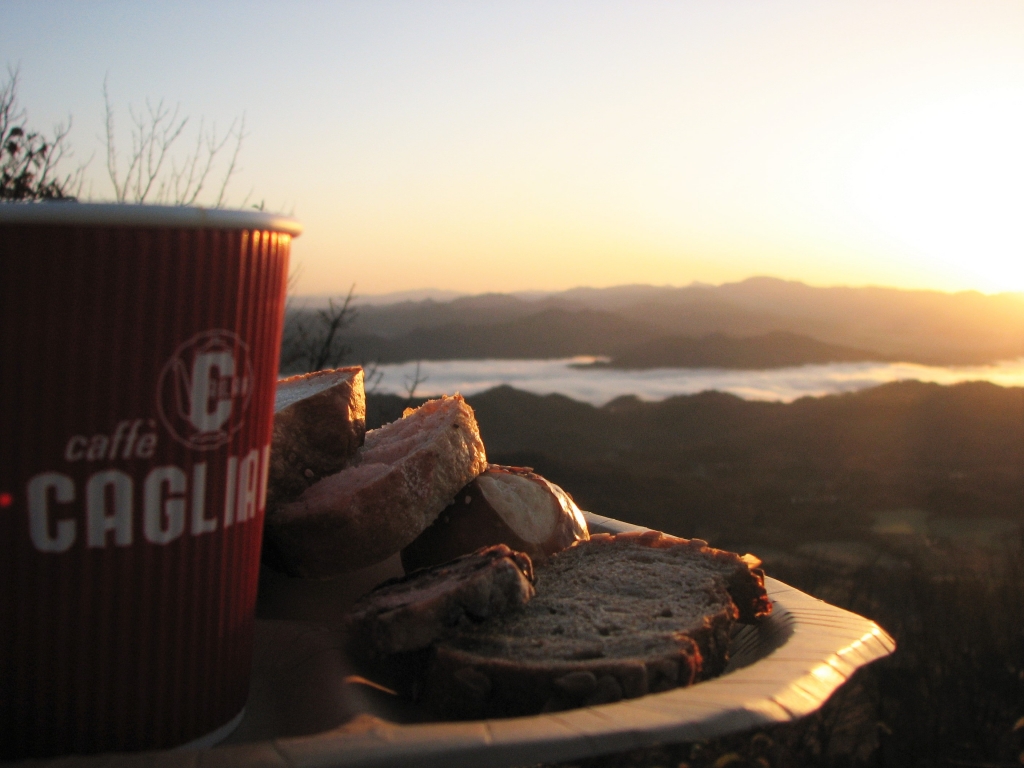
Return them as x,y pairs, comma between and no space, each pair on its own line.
130,215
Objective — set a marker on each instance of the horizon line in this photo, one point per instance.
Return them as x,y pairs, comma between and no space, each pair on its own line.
444,295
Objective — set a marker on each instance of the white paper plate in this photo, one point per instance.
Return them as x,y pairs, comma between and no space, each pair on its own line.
780,670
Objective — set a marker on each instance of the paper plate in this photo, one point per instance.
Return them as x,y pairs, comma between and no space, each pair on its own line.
780,670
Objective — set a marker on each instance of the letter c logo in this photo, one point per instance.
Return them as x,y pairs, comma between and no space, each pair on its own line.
205,388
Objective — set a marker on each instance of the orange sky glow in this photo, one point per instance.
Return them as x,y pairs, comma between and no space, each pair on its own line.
516,146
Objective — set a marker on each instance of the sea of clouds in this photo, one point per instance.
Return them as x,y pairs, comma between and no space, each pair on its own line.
599,385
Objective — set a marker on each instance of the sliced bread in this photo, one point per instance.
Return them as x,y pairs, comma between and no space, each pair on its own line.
614,617
411,612
397,484
319,424
504,505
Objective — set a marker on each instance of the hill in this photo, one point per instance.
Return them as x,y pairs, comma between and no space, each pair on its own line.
922,326
777,349
731,471
916,326
550,333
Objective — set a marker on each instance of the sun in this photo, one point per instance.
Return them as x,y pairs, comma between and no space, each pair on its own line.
947,181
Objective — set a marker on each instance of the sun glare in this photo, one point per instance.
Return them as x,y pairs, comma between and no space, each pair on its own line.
947,181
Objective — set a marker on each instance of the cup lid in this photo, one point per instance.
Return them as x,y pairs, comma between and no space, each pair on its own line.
73,213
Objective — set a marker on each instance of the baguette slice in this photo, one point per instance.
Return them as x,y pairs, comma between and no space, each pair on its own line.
403,476
503,505
614,617
319,424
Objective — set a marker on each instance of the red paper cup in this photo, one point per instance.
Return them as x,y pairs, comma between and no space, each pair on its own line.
138,357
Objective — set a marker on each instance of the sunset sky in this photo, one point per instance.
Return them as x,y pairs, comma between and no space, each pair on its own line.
481,146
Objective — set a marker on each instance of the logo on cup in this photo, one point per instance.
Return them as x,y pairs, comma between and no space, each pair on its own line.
205,388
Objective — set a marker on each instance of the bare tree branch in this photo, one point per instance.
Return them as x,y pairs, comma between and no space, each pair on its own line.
372,377
412,384
233,165
311,340
119,190
333,319
154,134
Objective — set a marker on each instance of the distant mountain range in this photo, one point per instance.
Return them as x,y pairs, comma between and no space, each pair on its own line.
760,322
777,349
547,333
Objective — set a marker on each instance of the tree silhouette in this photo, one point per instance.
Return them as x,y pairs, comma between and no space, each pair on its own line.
28,159
311,341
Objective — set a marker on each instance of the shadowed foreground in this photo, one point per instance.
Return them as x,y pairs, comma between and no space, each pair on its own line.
903,503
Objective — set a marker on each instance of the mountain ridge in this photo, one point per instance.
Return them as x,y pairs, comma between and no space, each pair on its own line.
775,349
921,326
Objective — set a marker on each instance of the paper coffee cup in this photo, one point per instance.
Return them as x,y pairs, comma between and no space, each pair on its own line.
138,356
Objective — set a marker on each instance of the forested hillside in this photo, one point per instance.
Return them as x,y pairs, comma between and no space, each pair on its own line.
733,471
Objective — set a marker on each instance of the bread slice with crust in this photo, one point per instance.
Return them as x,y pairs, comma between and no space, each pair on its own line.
614,617
319,424
411,612
506,505
399,481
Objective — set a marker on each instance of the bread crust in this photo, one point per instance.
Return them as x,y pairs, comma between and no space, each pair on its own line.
476,673
469,523
315,436
369,511
461,685
410,612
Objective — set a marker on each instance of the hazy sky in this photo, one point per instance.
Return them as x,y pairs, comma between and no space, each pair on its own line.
543,145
